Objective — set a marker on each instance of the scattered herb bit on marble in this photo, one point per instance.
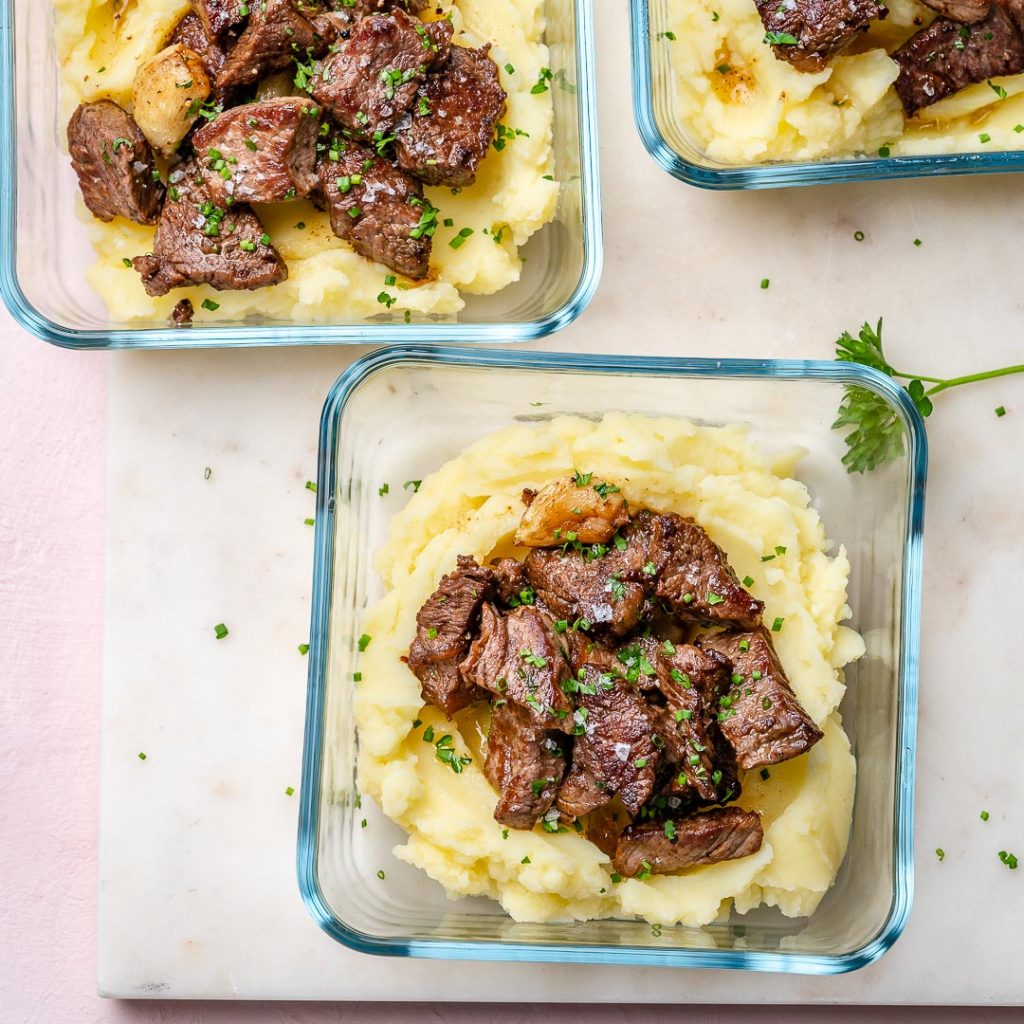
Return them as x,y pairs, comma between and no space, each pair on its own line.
380,875
142,755
364,641
858,236
765,282
984,815
383,489
412,485
288,791
877,432
311,486
303,648
1009,859
362,824
309,521
940,853
1000,410
220,631
207,473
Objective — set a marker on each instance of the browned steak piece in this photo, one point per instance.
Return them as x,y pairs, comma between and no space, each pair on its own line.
694,575
217,16
759,714
661,847
617,746
513,584
444,629
371,78
190,32
525,764
516,657
946,57
276,34
336,17
967,12
453,120
199,242
809,33
605,586
581,793
114,164
604,826
183,313
260,152
377,208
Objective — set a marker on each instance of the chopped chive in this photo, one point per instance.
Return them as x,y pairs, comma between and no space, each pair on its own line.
380,875
1000,410
311,486
210,305
765,282
364,641
289,790
983,815
142,756
940,853
220,631
309,521
748,581
858,236
303,649
777,624
357,677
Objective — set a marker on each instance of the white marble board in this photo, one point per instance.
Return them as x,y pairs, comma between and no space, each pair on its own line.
197,892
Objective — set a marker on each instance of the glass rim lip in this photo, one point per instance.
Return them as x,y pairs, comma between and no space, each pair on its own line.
361,333
907,680
784,174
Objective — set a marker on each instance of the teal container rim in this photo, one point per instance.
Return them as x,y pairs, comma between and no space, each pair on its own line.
365,333
784,175
906,731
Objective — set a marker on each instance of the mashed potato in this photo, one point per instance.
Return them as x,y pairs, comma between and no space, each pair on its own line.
741,104
101,44
749,503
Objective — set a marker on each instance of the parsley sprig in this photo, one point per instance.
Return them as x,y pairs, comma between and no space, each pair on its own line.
876,436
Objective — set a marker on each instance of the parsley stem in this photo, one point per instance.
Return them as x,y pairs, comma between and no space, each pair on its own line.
955,382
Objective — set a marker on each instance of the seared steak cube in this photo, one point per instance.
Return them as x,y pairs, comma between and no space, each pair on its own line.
191,33
371,78
525,764
946,57
453,120
759,714
114,164
276,35
809,33
199,242
376,208
444,628
217,16
260,152
694,575
967,12
661,847
616,747
603,585
517,658
513,584
582,793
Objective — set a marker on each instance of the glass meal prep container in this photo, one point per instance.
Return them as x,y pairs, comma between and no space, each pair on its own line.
673,146
45,251
399,414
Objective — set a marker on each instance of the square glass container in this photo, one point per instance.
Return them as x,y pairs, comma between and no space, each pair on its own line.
45,251
399,414
671,144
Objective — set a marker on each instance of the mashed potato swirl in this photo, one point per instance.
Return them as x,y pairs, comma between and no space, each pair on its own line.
741,104
749,503
101,44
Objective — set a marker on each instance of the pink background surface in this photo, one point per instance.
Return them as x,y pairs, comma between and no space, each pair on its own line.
52,494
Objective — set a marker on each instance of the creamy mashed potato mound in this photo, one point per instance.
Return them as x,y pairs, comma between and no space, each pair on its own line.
741,104
749,502
101,43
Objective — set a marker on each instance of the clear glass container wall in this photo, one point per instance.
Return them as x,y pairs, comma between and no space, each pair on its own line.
398,417
670,142
45,247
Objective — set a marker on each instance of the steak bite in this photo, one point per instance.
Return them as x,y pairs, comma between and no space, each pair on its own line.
275,35
809,33
617,746
217,16
581,793
525,763
199,242
967,12
570,509
946,57
694,575
690,678
760,715
517,658
454,120
191,33
371,78
260,152
513,584
114,164
444,630
604,586
376,208
659,848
